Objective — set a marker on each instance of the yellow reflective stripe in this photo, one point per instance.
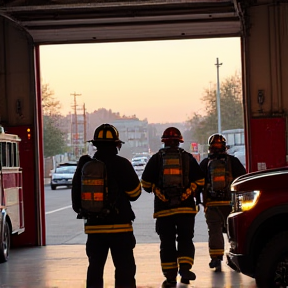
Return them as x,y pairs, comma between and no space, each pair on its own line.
200,182
93,182
169,212
113,228
218,203
158,193
193,186
134,193
169,265
186,194
185,259
216,252
146,184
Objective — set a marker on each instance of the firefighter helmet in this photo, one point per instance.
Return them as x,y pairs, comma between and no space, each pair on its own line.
217,143
172,133
106,133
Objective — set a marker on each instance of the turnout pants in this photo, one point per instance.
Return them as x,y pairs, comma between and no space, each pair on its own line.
216,218
171,229
121,247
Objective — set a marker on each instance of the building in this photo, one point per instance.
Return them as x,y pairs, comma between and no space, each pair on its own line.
134,133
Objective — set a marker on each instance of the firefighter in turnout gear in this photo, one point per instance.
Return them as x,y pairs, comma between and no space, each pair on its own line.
174,176
101,194
220,169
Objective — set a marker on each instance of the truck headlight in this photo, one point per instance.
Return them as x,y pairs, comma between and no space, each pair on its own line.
244,201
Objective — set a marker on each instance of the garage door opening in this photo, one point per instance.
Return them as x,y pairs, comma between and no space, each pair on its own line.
141,88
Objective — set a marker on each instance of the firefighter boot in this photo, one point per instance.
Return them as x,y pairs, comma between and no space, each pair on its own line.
186,276
215,263
169,284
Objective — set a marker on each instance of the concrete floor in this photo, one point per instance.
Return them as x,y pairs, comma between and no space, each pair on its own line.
64,266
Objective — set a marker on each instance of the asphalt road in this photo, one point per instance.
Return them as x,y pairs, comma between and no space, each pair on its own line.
62,227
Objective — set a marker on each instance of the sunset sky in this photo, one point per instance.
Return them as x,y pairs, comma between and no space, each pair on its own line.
162,81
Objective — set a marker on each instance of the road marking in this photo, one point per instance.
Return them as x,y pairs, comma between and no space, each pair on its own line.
53,211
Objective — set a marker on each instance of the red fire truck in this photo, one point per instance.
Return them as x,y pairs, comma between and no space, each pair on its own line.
11,193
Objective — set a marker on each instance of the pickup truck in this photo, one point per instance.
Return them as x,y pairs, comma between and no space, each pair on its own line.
257,227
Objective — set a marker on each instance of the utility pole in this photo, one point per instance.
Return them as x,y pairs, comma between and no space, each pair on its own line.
75,142
218,97
84,128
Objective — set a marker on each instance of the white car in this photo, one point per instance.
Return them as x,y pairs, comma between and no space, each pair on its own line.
139,163
63,176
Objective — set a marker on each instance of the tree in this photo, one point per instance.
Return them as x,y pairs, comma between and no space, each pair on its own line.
231,106
54,143
50,106
53,136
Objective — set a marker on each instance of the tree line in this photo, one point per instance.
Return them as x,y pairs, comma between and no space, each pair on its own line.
198,127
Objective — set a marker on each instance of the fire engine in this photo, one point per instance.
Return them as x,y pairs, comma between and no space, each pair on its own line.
11,192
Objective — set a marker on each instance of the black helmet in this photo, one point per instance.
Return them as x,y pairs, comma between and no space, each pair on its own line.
106,133
172,133
217,143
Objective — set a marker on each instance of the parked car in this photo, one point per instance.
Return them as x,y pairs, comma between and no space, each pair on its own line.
257,228
63,175
139,164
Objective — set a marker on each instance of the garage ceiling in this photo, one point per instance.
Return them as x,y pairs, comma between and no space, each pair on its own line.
64,21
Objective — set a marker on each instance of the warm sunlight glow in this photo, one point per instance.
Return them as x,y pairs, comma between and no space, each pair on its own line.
162,81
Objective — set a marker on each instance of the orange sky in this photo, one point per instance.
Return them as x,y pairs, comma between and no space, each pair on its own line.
162,81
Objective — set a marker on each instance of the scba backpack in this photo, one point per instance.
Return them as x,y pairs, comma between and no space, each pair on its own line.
219,178
94,189
174,174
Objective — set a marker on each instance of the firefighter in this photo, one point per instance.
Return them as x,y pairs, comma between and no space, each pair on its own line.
173,175
220,169
112,230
